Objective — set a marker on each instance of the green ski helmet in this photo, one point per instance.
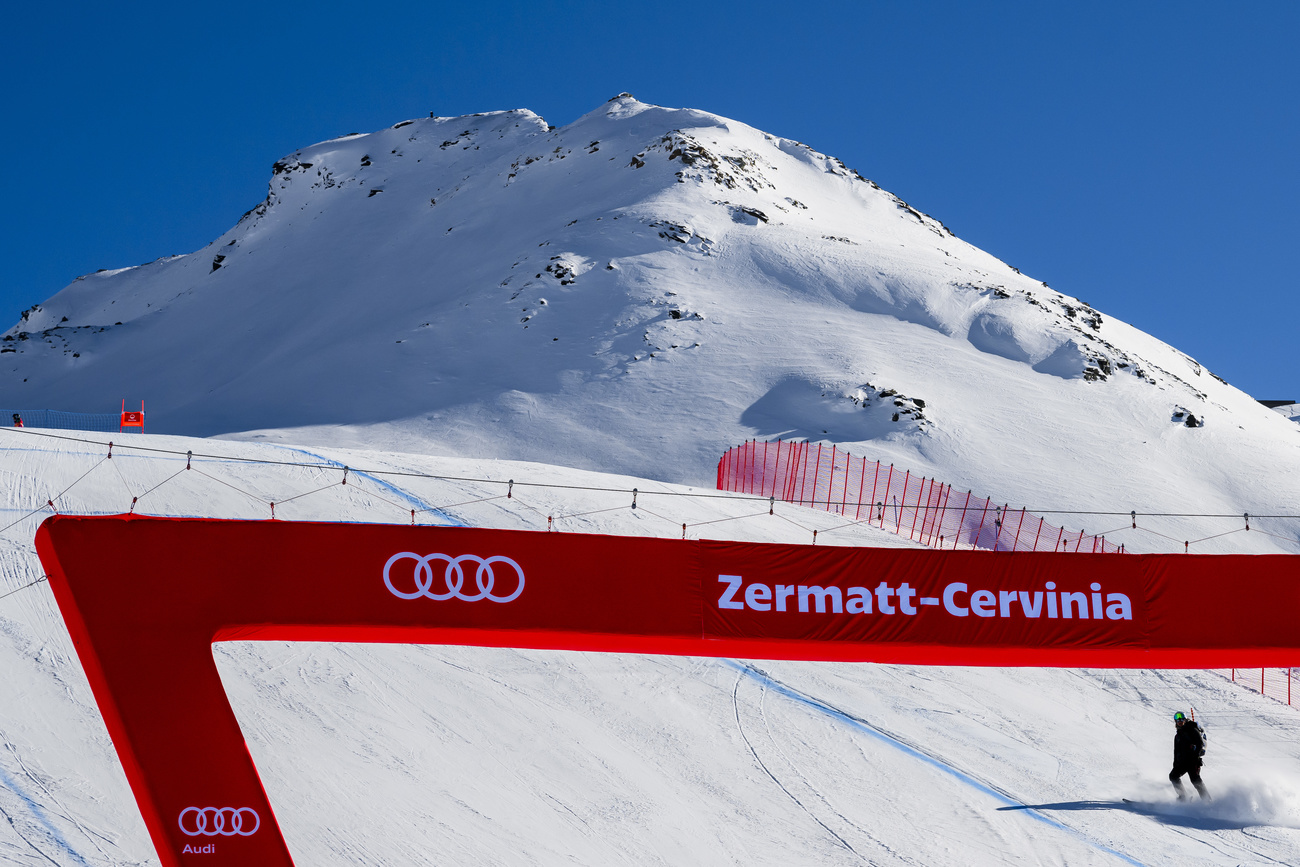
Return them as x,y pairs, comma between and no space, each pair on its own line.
1178,715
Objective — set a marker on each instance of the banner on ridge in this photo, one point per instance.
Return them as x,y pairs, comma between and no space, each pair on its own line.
145,598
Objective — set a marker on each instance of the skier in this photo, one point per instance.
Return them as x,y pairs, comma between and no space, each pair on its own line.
18,420
1189,746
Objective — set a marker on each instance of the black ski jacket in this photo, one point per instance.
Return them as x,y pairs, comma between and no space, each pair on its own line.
1188,743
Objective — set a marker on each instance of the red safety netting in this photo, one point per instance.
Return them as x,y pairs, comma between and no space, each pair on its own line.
925,510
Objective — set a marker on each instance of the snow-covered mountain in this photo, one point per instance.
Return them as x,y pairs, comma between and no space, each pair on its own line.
636,292
632,293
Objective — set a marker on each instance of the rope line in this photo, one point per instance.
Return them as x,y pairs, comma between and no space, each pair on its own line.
74,484
160,484
529,506
723,520
458,505
25,586
307,493
35,511
120,475
659,516
1158,533
792,521
232,487
1217,535
592,512
380,497
689,494
360,475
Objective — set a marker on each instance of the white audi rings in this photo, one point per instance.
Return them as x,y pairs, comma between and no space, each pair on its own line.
454,577
219,821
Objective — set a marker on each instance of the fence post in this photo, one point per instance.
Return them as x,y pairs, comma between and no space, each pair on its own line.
801,464
803,470
933,512
817,475
875,480
1019,526
1037,534
791,470
998,522
980,531
762,485
791,467
898,515
944,493
961,522
830,478
862,484
936,519
844,506
776,471
888,483
916,513
780,473
830,481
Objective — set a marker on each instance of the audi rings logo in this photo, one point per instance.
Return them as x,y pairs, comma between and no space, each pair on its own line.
451,584
219,821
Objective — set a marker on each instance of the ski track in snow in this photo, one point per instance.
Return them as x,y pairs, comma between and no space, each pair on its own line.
410,498
915,751
42,818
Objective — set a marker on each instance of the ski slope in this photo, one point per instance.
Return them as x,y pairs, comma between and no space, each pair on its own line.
461,756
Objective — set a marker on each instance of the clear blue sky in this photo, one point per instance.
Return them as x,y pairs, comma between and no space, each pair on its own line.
1142,156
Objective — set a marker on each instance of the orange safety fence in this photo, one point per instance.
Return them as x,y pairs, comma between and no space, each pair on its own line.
1275,683
925,510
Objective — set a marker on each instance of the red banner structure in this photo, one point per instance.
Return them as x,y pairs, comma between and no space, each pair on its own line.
145,598
822,476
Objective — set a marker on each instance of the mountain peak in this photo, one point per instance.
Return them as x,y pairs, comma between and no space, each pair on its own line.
635,291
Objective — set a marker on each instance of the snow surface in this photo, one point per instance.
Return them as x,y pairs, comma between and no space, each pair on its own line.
636,292
586,310
381,754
